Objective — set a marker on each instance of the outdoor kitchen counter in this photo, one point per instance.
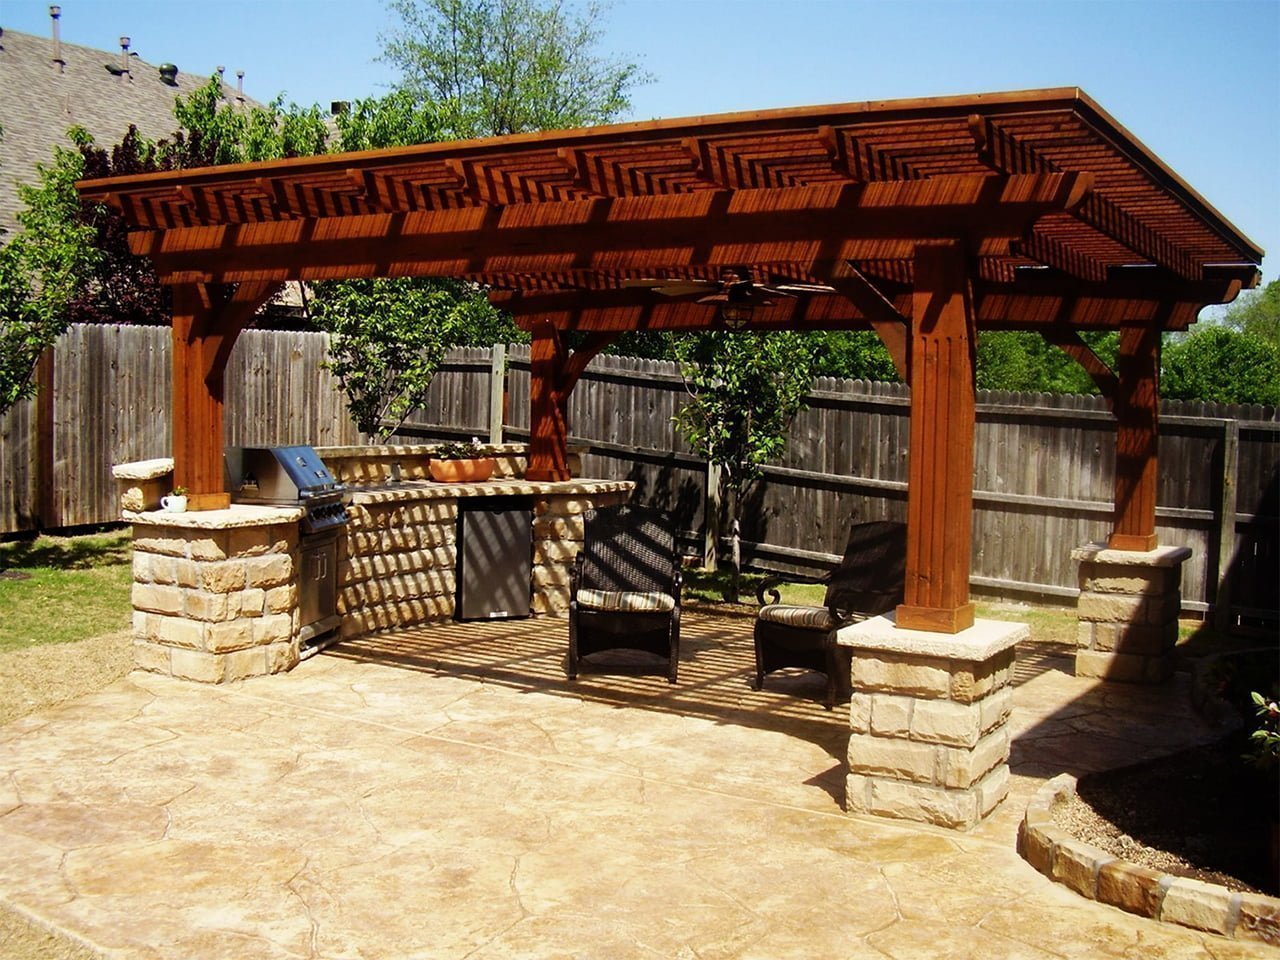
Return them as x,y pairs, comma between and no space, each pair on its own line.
397,564
431,490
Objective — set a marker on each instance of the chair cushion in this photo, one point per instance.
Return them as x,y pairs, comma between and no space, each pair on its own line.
806,618
625,601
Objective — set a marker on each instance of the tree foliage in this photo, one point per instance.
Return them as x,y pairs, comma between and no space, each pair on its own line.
1221,365
41,269
744,391
1020,360
1257,312
493,67
388,338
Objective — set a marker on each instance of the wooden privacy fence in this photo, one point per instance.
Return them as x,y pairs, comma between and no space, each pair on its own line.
109,403
1043,474
1042,479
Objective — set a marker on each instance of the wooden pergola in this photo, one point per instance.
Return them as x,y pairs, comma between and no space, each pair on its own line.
925,220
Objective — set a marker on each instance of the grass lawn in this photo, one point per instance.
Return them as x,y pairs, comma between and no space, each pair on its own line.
1049,624
62,589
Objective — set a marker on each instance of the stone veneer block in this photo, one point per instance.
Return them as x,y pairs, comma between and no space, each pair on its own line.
929,720
396,564
214,595
1128,611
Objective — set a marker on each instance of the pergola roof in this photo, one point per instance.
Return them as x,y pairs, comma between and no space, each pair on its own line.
1071,221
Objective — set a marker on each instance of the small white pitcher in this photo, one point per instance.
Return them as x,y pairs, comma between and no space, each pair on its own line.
174,503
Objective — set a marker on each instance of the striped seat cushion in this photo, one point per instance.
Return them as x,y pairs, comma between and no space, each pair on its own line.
807,618
626,602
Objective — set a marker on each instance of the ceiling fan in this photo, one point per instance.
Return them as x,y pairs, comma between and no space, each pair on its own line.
735,292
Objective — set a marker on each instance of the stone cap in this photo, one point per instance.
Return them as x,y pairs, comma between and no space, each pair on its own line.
1159,557
235,516
143,469
982,641
385,450
430,490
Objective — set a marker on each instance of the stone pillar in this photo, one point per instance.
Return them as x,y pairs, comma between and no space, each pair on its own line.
929,718
215,595
557,537
1128,611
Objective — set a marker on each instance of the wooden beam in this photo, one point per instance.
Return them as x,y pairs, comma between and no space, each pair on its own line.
1005,153
1069,342
708,227
940,467
1137,409
890,326
548,426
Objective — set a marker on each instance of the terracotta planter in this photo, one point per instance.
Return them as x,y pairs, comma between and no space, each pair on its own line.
461,471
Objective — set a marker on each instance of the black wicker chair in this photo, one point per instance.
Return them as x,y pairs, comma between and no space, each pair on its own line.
868,582
625,591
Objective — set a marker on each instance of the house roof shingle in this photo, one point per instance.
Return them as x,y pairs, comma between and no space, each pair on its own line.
39,103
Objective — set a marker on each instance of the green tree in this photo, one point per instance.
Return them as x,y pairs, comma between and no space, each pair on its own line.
493,67
41,269
399,119
213,131
744,391
852,354
1257,312
1021,360
1221,365
388,338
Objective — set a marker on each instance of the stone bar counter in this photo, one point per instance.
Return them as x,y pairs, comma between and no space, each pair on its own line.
215,592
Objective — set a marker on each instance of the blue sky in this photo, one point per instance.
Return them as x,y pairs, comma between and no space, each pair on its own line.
1198,82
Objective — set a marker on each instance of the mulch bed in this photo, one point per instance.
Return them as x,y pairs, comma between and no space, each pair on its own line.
1203,813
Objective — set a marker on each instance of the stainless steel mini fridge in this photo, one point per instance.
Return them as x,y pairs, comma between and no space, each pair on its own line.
495,558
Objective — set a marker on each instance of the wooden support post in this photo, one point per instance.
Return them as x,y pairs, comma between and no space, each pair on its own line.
554,372
548,427
940,469
206,323
1137,409
197,403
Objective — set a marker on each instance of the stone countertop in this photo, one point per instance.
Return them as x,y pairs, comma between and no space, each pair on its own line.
237,515
143,469
430,490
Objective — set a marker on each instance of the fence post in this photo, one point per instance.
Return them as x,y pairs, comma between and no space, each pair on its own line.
1227,523
46,503
711,514
497,389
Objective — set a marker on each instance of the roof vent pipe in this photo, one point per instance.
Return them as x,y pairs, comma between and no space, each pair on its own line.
124,57
55,13
168,74
240,85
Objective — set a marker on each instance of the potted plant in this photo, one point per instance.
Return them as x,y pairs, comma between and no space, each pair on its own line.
460,461
176,502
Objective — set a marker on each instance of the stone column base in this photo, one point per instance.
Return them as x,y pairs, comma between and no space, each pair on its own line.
929,720
215,593
1128,611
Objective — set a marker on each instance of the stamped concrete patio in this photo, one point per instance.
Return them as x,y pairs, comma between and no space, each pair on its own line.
446,793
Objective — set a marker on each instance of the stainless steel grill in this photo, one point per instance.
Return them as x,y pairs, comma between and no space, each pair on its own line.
296,476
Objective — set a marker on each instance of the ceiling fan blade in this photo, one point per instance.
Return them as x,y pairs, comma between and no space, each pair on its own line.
804,288
671,287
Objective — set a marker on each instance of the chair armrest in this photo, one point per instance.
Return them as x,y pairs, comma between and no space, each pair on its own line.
575,575
677,586
771,584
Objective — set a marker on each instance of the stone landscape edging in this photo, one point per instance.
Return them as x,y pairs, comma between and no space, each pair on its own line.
1098,875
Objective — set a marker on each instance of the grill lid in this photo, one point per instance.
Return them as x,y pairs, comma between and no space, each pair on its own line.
278,473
